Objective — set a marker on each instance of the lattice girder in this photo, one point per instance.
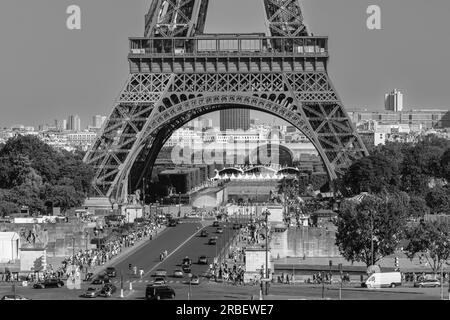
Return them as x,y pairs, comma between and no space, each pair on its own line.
157,101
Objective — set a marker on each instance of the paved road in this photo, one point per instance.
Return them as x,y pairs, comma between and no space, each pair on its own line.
180,241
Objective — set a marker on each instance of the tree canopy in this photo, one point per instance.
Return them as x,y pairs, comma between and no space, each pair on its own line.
373,220
34,174
431,240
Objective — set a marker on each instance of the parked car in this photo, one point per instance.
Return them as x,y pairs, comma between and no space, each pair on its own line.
195,280
111,272
159,292
202,260
161,273
108,290
14,297
216,224
159,281
212,241
178,273
91,293
49,283
204,233
219,230
426,283
173,223
236,226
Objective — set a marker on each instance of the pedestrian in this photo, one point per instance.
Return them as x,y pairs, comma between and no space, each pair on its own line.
141,272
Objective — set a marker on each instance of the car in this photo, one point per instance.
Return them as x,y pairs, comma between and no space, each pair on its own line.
202,260
195,280
178,273
160,273
236,226
204,233
49,283
91,293
111,272
173,223
14,297
153,292
101,280
186,262
219,230
108,290
159,280
427,283
212,241
216,224
186,269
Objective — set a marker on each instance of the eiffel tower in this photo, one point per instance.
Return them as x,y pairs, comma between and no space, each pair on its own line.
178,73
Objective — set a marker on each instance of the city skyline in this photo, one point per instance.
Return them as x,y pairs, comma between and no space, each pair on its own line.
90,74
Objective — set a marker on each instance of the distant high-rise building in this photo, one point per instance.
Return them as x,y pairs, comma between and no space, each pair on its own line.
394,101
74,123
97,121
64,124
235,119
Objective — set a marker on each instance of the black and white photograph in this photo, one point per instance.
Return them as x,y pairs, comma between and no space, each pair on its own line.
238,152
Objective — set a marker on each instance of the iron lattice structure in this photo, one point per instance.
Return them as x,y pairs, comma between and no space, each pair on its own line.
178,73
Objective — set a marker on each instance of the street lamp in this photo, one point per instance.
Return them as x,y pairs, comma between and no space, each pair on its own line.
267,213
179,204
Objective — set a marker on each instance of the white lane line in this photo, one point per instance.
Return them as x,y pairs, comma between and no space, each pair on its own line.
178,248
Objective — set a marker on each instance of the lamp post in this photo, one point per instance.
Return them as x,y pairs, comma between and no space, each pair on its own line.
143,189
179,204
267,213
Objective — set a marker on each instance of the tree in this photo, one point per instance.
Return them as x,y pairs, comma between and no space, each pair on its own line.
65,197
8,208
418,206
375,221
372,174
438,199
430,240
445,165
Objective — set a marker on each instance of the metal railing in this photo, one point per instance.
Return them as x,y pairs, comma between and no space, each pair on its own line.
229,46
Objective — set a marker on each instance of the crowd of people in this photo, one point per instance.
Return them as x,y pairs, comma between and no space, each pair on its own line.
229,274
86,260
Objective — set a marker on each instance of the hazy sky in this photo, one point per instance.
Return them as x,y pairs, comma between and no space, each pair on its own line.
49,72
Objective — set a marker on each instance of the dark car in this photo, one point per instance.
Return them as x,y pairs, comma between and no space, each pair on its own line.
202,260
219,230
153,292
212,241
173,223
108,290
49,283
216,224
186,269
236,226
204,233
111,272
186,262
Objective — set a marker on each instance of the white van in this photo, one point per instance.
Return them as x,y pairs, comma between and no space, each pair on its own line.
383,280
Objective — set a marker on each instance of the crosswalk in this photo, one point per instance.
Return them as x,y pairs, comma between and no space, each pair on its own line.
117,282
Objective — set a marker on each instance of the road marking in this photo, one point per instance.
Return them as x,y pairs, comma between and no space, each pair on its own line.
176,249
